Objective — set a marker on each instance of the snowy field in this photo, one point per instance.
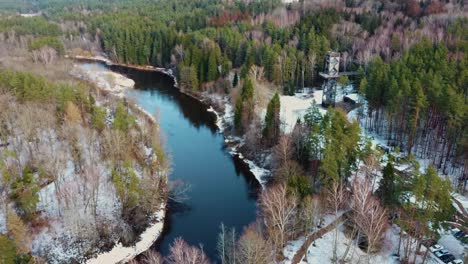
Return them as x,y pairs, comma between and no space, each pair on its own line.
294,107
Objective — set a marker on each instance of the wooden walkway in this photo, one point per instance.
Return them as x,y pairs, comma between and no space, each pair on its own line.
303,249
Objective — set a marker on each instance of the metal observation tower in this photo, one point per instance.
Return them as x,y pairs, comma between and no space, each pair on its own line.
330,75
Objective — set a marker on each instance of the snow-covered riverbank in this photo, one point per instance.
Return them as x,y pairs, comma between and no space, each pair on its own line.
103,78
120,253
102,59
224,120
99,75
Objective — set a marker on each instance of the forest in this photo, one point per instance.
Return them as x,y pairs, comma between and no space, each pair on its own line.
327,173
66,170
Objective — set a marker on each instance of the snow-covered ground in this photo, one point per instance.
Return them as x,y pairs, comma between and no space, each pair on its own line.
104,78
120,254
3,228
462,200
225,120
291,248
67,204
28,15
320,251
453,245
294,107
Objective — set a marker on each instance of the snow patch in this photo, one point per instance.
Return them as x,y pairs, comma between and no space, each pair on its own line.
462,200
120,253
259,173
3,228
321,252
103,77
223,121
294,107
453,245
291,248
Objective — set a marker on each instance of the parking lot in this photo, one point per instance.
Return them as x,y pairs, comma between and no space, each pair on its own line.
451,248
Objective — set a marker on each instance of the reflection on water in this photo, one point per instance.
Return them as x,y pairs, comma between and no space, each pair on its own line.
222,188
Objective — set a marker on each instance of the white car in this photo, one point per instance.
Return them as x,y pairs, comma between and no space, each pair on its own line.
441,252
435,247
457,261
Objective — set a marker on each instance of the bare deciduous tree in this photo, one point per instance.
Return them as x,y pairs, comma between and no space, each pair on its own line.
178,191
279,210
253,248
152,257
310,214
368,215
46,55
283,150
183,253
256,73
288,170
226,245
337,199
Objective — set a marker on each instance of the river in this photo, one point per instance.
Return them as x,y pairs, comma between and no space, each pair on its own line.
223,190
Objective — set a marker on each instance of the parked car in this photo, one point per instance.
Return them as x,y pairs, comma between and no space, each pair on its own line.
447,258
435,247
441,252
456,261
459,234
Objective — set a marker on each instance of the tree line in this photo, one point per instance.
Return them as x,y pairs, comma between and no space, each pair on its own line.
418,103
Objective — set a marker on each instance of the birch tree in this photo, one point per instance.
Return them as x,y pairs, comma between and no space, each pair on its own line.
183,253
337,199
279,211
368,215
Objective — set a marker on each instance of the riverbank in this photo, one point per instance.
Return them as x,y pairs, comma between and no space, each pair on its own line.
108,62
119,253
224,113
217,105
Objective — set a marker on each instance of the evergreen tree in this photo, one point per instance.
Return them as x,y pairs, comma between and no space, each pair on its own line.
18,232
122,120
194,84
341,139
24,193
212,66
98,118
244,105
313,116
271,131
247,90
328,170
127,186
238,114
388,187
300,185
235,81
7,250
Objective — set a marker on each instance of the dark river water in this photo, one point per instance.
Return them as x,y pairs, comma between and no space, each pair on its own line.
222,188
